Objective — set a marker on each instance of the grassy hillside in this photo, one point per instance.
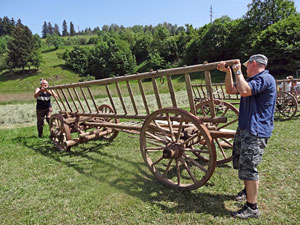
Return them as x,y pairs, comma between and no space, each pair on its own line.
19,86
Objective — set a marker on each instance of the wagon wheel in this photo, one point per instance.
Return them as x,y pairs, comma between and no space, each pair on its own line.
286,105
168,140
223,145
107,109
59,132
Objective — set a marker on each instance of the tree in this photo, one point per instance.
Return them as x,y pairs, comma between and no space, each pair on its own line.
65,29
54,40
56,30
263,13
280,42
111,57
72,30
143,47
50,29
20,48
45,30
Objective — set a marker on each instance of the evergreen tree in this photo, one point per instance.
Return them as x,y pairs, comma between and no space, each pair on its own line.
20,48
50,29
65,29
19,22
72,30
56,30
45,30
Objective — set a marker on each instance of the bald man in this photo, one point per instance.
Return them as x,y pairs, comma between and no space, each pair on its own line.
43,105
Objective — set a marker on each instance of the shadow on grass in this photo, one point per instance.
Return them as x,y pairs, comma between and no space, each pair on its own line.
141,184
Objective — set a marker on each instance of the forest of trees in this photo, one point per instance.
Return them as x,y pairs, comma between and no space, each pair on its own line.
270,27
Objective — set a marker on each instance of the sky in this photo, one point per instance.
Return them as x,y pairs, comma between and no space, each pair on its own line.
93,13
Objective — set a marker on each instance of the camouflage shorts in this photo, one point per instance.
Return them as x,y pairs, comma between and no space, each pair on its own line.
247,154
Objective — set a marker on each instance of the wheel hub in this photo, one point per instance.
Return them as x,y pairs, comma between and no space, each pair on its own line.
173,151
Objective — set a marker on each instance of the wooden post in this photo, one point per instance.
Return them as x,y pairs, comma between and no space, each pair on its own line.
209,93
190,93
72,99
156,92
171,90
86,101
110,98
77,96
120,97
143,96
131,97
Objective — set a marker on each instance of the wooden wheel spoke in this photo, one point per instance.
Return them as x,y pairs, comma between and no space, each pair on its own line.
195,163
189,139
188,170
157,161
227,142
221,148
178,172
170,127
168,167
179,129
156,138
162,130
227,124
154,149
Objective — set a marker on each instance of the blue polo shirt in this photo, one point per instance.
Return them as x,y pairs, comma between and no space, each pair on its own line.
257,111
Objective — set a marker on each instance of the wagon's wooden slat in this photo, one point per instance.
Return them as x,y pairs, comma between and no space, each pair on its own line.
72,99
57,102
171,90
143,96
66,99
158,73
203,92
86,101
110,98
78,99
210,93
190,93
131,97
120,97
156,92
90,92
62,102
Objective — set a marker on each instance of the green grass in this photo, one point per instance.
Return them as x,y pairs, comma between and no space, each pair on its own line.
108,183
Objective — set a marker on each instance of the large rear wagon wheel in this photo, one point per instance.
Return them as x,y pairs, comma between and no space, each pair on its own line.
59,132
223,144
168,140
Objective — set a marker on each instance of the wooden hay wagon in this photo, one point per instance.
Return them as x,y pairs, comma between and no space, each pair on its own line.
180,146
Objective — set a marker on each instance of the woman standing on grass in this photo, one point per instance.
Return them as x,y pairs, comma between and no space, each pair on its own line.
43,105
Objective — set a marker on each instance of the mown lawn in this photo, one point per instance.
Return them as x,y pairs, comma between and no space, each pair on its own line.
108,183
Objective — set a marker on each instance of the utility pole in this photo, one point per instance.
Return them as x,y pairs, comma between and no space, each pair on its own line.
211,13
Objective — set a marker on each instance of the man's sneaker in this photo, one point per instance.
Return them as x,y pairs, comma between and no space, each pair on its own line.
246,212
241,196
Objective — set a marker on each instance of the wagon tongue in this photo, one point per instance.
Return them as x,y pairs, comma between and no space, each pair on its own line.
173,150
